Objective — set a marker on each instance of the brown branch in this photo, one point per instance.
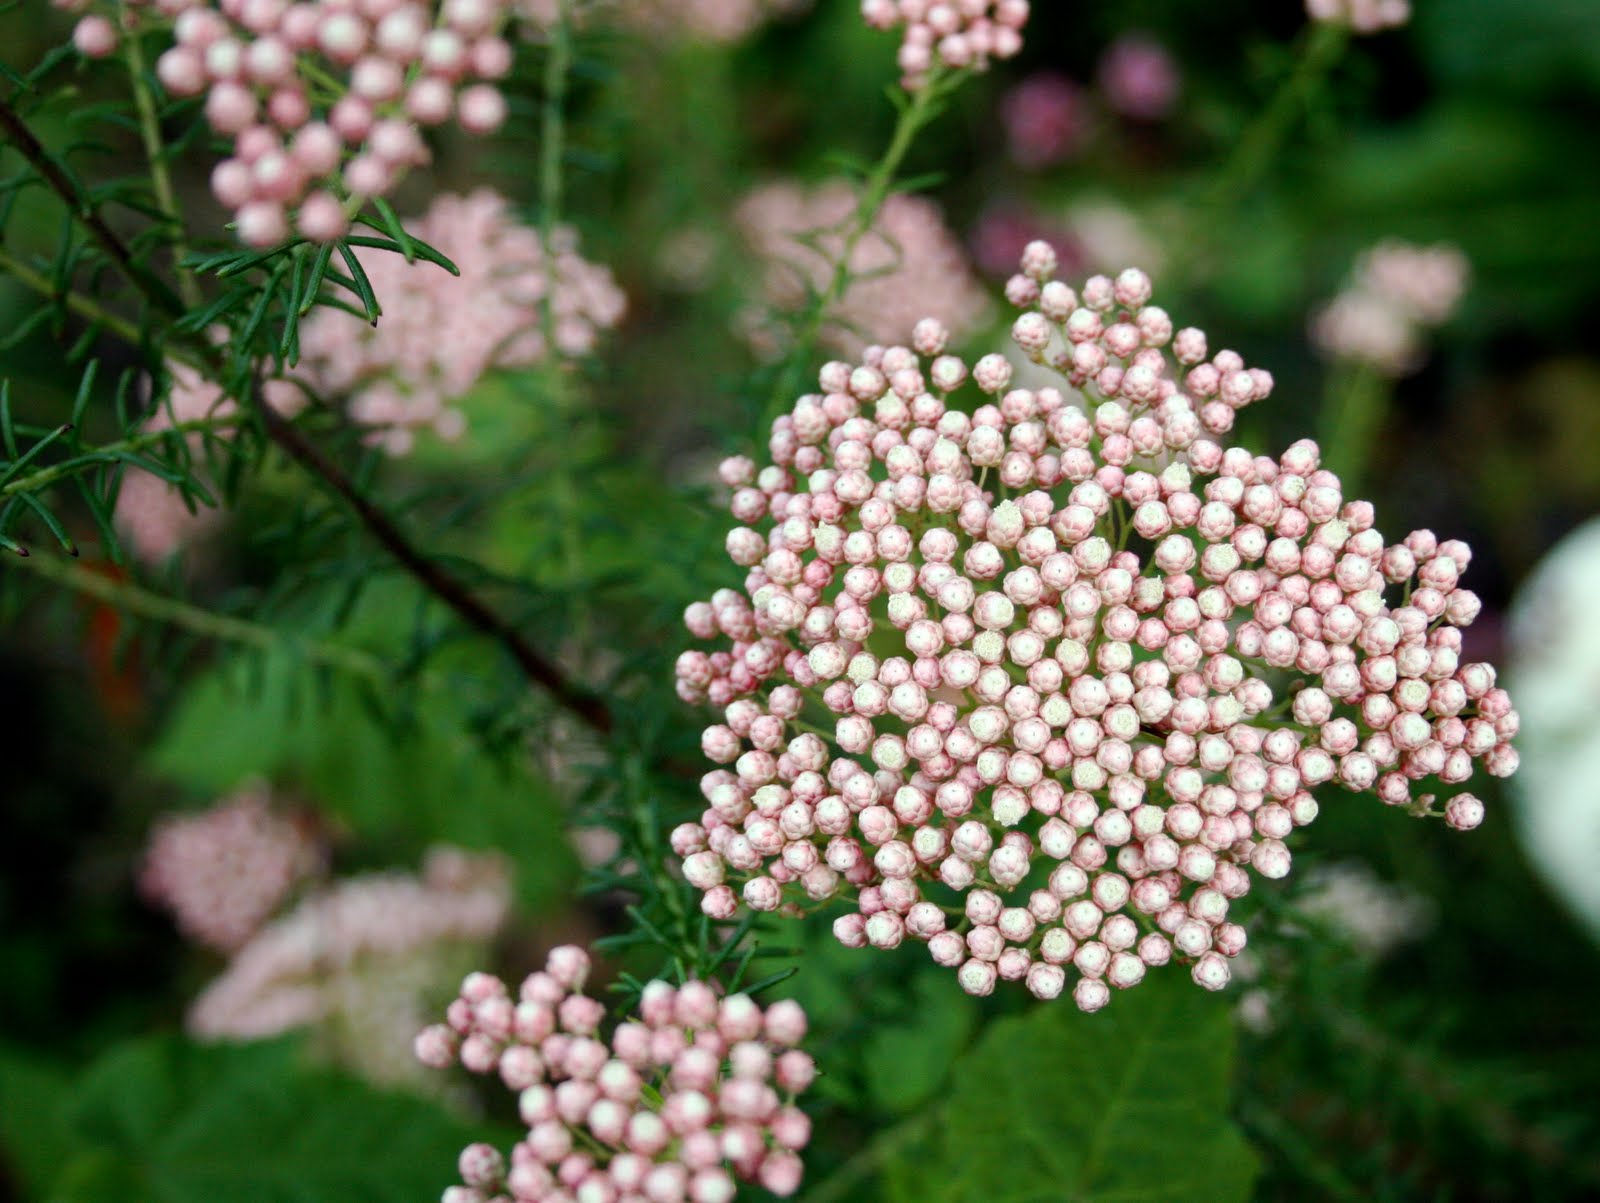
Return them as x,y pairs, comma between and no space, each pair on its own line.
472,610
29,146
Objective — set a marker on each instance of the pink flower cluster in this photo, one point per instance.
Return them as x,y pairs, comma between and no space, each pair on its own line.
949,33
908,264
440,334
1363,16
361,950
1398,292
224,871
1078,667
324,98
674,1106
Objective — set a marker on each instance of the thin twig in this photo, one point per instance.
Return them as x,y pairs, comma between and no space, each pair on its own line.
471,609
135,599
914,116
83,210
110,452
85,307
160,177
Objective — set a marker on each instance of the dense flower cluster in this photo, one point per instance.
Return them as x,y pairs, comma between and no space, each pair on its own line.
358,958
1396,294
906,267
1363,16
224,871
440,334
325,99
949,33
1080,665
675,1105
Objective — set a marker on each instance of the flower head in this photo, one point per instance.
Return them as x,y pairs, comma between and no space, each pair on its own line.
325,99
359,958
1041,683
952,34
677,1102
1139,78
1047,120
1396,294
223,872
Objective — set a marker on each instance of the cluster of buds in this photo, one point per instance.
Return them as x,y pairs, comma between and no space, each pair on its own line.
1397,293
1363,16
441,333
324,99
1082,666
673,1106
224,871
950,33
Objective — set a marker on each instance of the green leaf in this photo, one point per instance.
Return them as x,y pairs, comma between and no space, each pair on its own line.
905,1062
406,783
1127,1105
35,1140
166,1120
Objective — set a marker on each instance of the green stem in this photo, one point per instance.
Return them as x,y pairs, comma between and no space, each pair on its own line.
552,157
914,117
84,307
1264,137
135,599
160,177
110,452
552,150
1258,147
1356,400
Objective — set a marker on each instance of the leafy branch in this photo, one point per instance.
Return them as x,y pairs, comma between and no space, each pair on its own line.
429,574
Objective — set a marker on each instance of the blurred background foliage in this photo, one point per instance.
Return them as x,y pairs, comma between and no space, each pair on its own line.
1457,1065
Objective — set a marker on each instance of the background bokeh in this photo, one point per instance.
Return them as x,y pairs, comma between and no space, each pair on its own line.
1455,1057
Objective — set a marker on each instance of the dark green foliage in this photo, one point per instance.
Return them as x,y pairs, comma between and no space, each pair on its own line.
168,1121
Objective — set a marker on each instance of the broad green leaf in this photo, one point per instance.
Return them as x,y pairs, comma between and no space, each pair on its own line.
907,1060
168,1121
1129,1105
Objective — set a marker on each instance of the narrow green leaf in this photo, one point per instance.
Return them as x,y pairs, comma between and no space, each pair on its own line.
51,521
363,286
